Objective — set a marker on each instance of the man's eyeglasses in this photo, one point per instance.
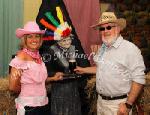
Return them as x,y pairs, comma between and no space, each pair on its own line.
107,27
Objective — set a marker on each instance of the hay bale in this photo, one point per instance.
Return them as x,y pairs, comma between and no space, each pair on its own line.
7,104
92,95
4,84
143,100
7,98
147,95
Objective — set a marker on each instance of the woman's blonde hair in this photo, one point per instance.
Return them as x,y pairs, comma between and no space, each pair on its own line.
23,43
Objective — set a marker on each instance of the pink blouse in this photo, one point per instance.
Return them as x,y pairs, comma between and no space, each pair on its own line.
32,79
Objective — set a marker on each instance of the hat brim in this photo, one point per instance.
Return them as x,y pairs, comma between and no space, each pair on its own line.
121,22
21,32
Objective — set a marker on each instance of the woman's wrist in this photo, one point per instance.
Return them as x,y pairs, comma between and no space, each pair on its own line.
49,79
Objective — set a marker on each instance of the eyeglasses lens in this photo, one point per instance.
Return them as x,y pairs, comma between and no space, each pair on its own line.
103,28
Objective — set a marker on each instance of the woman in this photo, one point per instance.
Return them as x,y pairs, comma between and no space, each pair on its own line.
28,73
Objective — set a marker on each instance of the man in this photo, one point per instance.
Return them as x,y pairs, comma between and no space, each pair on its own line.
119,68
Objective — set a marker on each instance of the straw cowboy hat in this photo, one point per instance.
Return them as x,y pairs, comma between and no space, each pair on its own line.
29,28
110,17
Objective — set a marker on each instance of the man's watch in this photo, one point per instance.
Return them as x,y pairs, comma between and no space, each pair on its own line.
129,106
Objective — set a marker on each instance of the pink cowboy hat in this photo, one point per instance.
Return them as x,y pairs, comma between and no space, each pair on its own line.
29,28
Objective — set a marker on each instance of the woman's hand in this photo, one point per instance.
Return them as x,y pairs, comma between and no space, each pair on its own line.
58,76
16,72
14,80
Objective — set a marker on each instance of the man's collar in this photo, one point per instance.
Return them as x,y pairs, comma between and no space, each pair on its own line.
115,44
118,41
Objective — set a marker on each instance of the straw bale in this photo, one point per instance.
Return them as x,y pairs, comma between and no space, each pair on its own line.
4,84
7,105
147,95
92,95
144,99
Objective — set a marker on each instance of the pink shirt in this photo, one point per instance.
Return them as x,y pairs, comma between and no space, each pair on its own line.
32,79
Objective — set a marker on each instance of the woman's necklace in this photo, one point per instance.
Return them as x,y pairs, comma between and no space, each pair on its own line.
34,54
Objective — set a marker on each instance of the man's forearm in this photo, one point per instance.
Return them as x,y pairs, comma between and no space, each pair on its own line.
135,90
90,70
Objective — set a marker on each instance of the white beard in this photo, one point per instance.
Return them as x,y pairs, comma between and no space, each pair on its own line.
109,42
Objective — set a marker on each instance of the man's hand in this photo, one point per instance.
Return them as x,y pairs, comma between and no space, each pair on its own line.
85,70
80,70
123,110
